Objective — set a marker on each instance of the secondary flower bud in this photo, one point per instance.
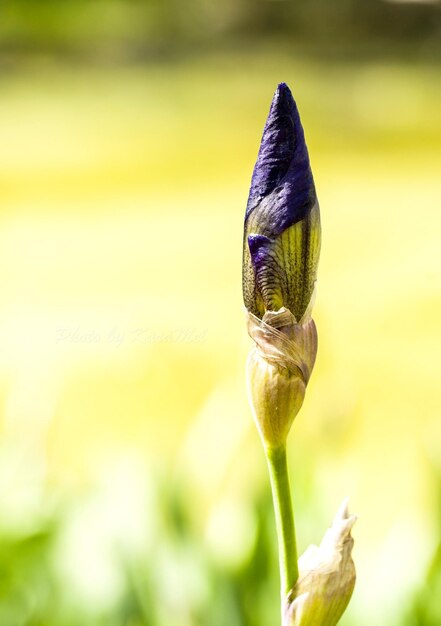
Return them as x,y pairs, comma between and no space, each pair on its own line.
326,577
282,221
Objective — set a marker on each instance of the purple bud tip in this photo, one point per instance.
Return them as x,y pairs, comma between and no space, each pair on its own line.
283,165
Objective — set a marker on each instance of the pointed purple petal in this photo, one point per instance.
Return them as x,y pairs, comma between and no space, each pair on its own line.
282,168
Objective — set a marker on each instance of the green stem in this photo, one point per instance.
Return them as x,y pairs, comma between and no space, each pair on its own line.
286,535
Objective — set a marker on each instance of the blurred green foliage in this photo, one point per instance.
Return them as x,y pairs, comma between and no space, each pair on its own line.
426,609
109,30
169,581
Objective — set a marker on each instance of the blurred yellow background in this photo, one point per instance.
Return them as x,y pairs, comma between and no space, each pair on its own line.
133,485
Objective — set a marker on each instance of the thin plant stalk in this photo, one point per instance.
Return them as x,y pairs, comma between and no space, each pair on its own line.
284,514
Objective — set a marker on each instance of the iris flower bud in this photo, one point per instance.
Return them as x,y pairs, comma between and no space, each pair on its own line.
280,258
326,577
282,220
